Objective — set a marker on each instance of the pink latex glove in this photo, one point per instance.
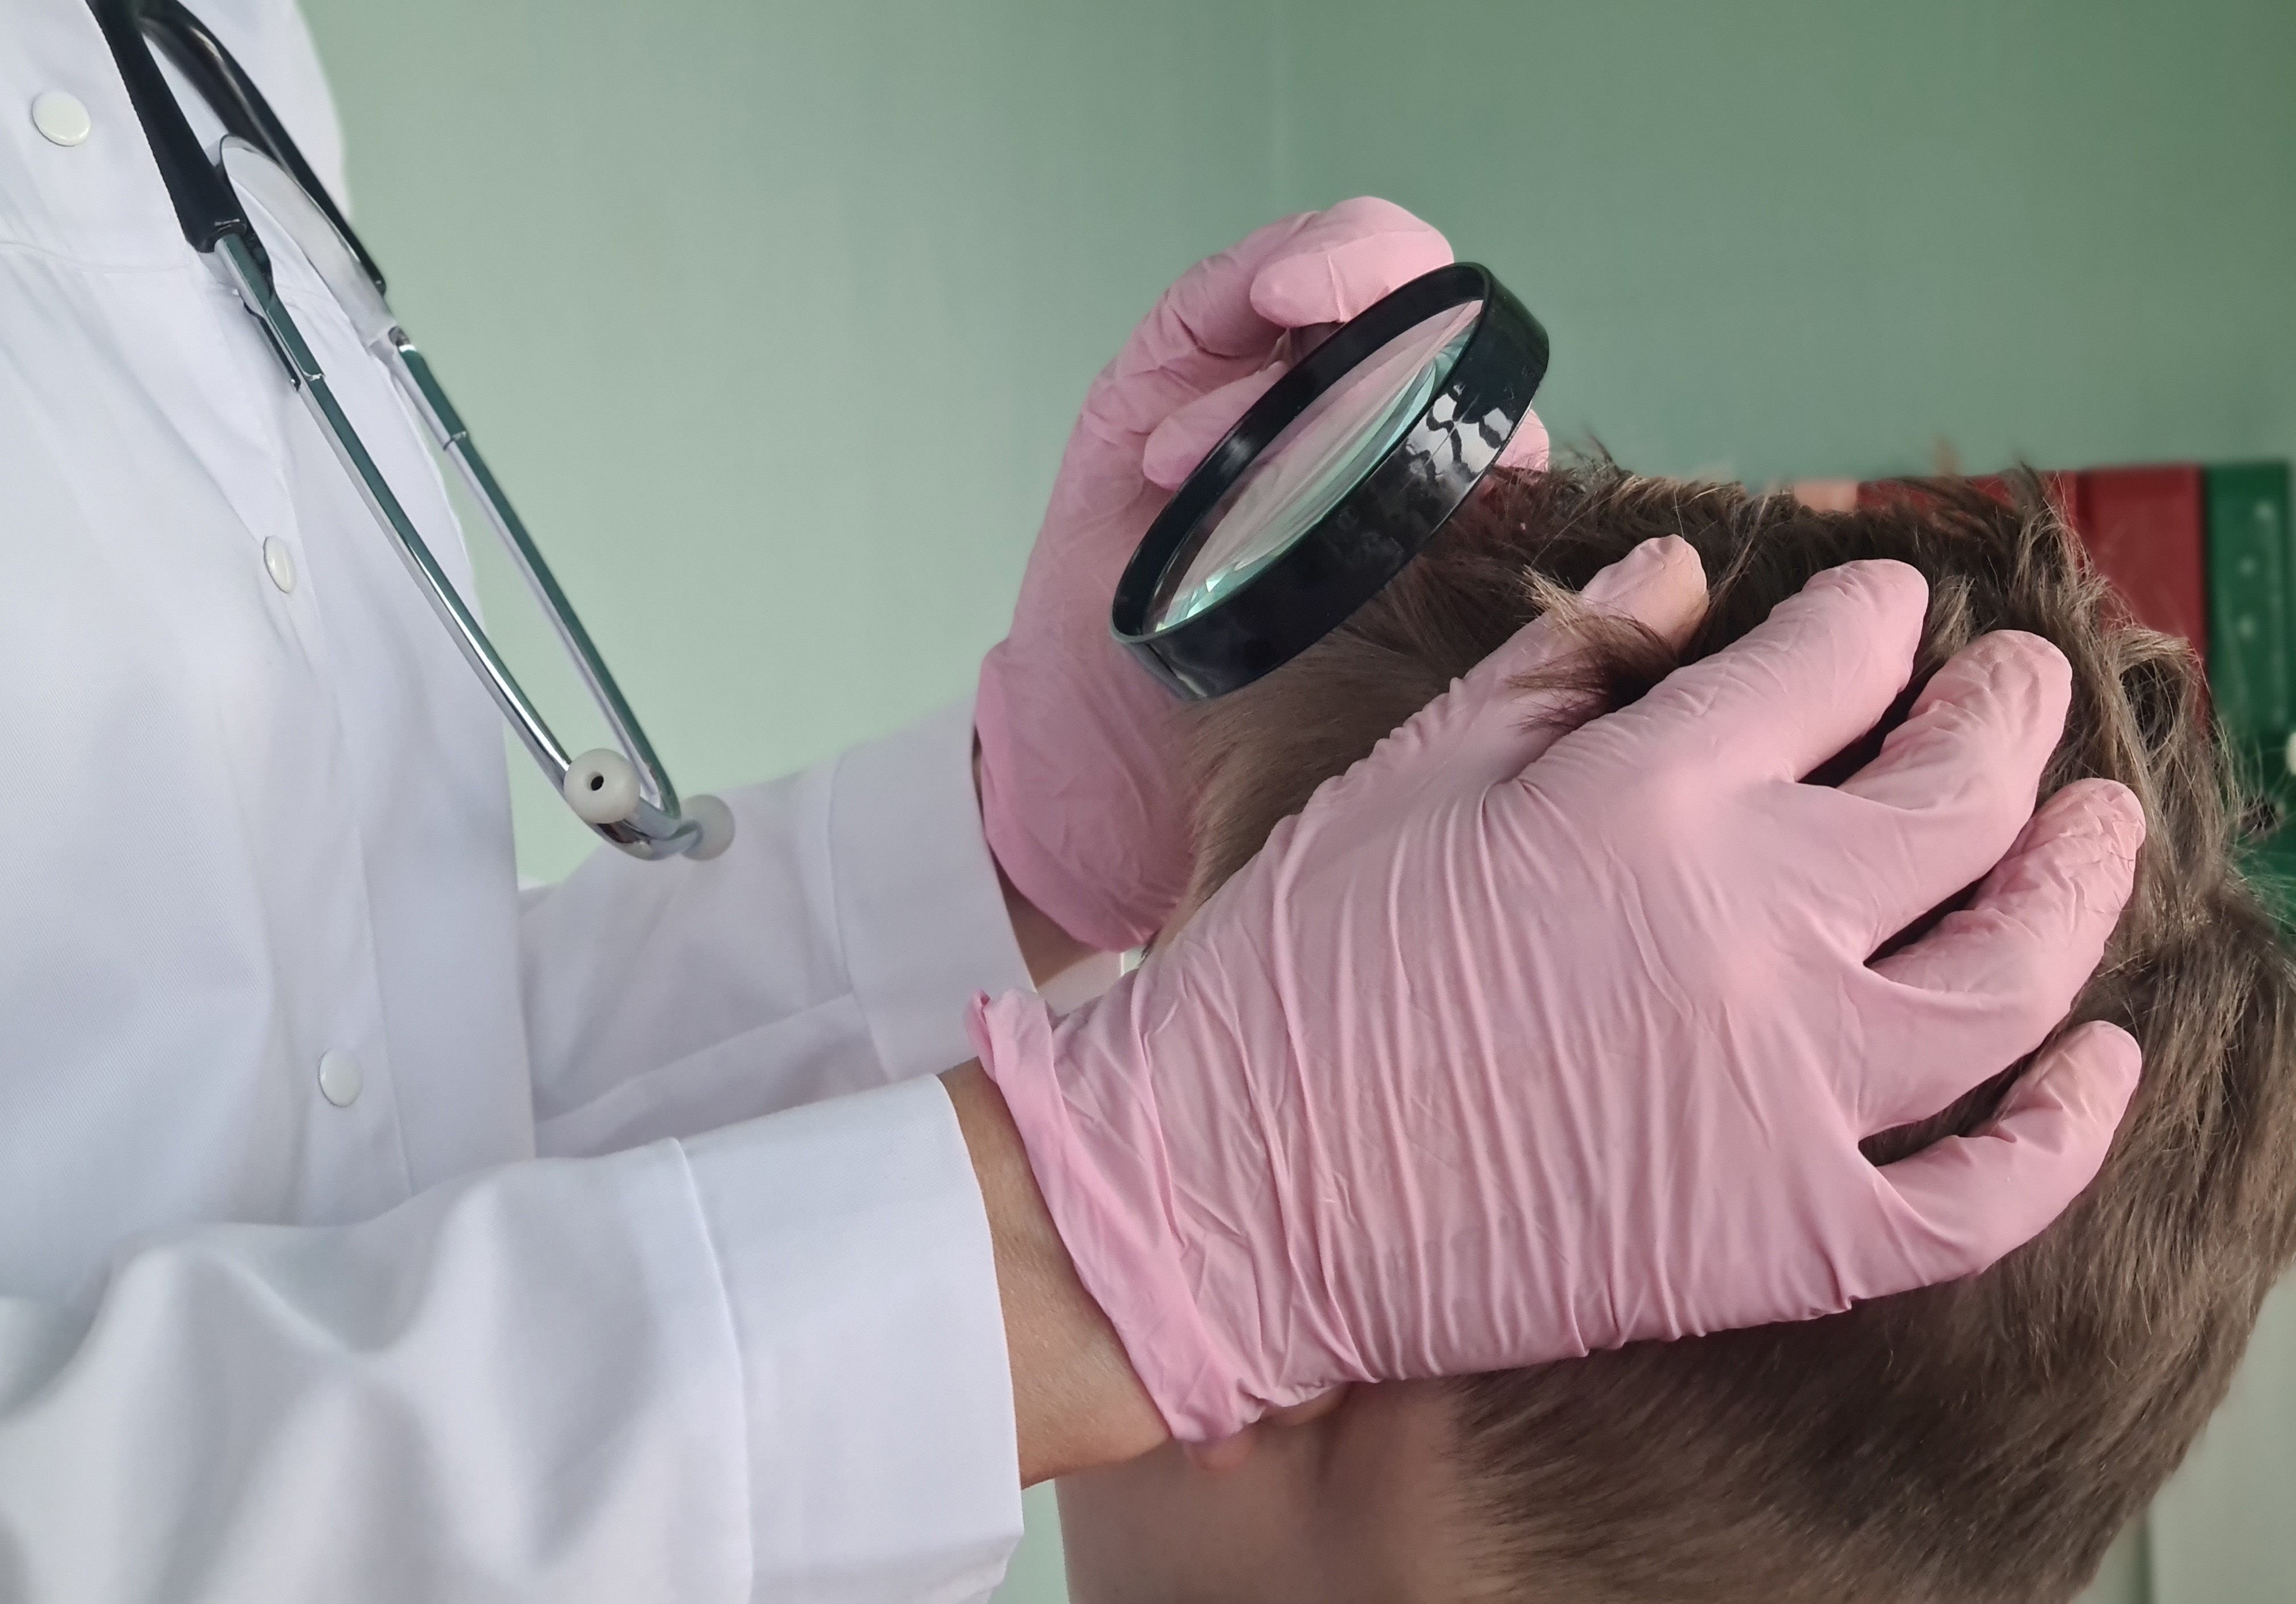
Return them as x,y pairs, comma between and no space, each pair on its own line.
1077,771
1509,1047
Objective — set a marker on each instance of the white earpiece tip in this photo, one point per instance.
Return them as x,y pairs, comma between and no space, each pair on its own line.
602,788
717,822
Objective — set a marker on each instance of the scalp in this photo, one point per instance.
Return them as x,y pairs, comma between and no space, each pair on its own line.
1975,1443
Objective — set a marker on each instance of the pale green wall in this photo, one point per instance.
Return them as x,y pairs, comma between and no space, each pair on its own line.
679,258
673,257
1806,236
772,318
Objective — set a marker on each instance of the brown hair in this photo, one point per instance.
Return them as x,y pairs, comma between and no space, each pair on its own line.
1979,1442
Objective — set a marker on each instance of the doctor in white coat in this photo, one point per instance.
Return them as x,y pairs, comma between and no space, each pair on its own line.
370,1232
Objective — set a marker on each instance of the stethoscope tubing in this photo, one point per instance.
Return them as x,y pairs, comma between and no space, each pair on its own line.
627,796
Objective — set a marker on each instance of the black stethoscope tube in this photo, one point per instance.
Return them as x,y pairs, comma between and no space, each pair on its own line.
205,205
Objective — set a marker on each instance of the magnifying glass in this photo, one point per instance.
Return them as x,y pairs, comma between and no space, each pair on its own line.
1331,482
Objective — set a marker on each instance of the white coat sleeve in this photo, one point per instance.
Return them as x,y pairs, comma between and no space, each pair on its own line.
833,948
693,1371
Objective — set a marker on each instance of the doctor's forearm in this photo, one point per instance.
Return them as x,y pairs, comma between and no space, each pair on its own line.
1077,1403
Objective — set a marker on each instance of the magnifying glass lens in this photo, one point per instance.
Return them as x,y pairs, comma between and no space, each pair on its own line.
1307,469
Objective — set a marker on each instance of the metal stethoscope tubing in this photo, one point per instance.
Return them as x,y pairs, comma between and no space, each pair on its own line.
624,795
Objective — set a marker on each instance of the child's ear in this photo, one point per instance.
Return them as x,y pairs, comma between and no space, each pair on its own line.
1315,1409
1216,1458
1229,1454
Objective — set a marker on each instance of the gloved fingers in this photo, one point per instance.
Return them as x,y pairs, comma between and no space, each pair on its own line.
1954,783
1343,259
1490,728
1183,439
1964,1202
1528,448
1294,343
1988,985
1219,321
1804,683
1660,585
1201,334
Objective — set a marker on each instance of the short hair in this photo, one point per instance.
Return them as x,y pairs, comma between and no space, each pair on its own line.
1982,1440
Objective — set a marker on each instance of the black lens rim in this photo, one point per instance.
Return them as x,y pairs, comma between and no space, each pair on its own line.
1378,526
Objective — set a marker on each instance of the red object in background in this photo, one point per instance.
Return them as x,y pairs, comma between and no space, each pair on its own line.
2062,489
2144,527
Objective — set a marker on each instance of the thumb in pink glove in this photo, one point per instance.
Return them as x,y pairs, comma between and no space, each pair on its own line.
1078,771
1509,1047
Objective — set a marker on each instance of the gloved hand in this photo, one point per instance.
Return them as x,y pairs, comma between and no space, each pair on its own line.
1077,773
1509,1047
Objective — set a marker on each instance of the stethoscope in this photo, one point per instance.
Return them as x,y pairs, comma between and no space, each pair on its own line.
1324,491
624,795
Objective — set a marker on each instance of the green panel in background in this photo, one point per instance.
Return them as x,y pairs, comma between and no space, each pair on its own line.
2251,590
2252,655
1798,238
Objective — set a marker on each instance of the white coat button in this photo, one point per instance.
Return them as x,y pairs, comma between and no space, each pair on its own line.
281,563
60,117
340,1079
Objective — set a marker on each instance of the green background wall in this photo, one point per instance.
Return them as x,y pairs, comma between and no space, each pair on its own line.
687,263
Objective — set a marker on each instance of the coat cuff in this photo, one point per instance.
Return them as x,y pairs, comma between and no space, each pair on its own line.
855,1259
920,914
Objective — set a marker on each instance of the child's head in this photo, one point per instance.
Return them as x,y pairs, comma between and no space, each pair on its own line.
1976,1443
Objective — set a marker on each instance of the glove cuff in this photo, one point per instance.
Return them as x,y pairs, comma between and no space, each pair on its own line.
1086,1116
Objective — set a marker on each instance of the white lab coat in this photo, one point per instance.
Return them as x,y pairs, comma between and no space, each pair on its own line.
557,1306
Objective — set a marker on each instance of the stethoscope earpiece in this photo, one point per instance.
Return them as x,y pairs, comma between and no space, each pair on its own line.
601,786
